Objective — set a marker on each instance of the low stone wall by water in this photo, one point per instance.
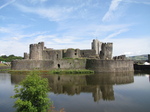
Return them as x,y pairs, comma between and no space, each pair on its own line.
48,64
91,64
109,65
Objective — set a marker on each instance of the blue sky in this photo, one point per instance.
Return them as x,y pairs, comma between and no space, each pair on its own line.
74,24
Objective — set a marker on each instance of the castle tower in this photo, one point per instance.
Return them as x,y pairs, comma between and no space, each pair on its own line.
36,51
106,51
26,56
96,45
72,53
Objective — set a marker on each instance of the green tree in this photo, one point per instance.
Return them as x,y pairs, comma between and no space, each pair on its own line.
32,95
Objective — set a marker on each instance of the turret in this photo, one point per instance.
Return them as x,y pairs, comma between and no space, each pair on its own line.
36,51
72,53
26,56
106,51
96,45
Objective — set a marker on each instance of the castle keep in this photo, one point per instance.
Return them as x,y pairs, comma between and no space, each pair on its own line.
98,58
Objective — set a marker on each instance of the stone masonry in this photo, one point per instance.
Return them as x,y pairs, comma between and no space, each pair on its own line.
99,59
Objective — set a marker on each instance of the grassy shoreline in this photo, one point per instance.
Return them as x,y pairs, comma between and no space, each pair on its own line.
56,71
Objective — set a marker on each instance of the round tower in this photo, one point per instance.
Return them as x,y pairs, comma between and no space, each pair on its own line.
36,51
106,51
72,53
26,56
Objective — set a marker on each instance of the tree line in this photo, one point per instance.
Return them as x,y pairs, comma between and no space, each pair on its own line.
9,58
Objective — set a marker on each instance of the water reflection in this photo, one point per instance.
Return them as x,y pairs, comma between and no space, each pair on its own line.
100,85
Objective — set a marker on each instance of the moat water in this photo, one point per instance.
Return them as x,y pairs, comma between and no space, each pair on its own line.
121,92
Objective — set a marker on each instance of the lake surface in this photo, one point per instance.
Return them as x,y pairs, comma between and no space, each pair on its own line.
103,92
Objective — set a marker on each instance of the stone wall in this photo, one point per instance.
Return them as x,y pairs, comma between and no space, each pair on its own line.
121,57
52,54
48,64
109,65
32,65
88,53
70,64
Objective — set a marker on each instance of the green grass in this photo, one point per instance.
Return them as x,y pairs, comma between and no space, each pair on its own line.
57,71
1,64
5,70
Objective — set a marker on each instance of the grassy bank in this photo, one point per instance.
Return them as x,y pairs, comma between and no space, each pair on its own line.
4,68
57,71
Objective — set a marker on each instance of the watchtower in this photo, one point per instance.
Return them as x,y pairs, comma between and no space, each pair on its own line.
96,45
36,51
106,51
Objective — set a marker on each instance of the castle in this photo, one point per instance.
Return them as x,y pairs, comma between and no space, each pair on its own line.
98,58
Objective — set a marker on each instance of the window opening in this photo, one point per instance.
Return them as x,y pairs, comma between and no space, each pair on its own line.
58,65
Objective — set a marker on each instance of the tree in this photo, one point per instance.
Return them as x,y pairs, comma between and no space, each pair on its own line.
32,94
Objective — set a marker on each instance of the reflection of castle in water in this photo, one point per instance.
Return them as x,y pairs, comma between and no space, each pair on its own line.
100,85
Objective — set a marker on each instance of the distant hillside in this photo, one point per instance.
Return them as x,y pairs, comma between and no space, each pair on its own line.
139,57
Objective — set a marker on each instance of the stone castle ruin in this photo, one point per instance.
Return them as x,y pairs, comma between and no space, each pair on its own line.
98,58
40,52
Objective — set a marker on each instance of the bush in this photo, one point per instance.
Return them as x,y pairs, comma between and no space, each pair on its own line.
32,94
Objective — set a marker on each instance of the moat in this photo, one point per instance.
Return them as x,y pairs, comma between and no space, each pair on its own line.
103,92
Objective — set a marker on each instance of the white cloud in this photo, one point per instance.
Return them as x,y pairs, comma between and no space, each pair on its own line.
146,2
41,38
110,13
4,30
6,4
36,1
131,46
52,13
115,34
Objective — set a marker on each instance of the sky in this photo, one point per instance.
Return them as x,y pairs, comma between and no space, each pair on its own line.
63,24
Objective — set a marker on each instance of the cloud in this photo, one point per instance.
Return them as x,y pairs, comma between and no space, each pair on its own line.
6,4
138,2
131,46
52,13
116,34
36,1
110,13
44,37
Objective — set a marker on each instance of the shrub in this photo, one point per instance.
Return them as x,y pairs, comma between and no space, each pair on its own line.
32,94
